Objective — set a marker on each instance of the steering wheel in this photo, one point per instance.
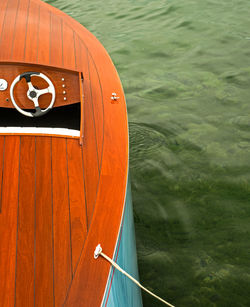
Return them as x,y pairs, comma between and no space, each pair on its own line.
34,93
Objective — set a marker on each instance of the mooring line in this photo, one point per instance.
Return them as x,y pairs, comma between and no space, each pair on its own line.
98,252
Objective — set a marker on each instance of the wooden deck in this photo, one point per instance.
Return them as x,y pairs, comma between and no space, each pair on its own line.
60,197
43,220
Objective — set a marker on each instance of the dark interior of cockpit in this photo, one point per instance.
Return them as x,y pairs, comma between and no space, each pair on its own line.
59,117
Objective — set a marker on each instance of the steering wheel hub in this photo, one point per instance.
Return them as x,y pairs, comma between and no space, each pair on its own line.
32,94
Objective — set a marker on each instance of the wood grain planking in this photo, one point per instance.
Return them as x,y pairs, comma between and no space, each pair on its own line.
3,7
61,221
114,178
90,151
8,221
98,108
78,210
82,65
32,33
19,39
56,53
2,145
44,256
80,54
112,184
89,266
44,47
68,47
8,29
26,224
110,199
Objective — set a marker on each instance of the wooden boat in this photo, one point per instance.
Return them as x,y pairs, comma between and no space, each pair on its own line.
64,184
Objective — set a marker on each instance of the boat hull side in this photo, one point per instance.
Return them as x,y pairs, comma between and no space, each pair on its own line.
120,290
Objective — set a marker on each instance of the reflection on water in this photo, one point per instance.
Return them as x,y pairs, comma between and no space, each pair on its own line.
186,73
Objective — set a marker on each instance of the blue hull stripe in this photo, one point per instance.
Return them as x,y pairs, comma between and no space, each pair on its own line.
120,290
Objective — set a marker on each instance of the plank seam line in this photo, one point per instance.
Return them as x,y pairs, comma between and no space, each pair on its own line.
38,29
76,266
2,175
50,38
75,50
14,34
93,115
62,42
52,234
84,184
17,218
99,167
70,230
89,53
35,232
28,10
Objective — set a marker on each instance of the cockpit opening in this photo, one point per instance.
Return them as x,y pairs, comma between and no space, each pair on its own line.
67,116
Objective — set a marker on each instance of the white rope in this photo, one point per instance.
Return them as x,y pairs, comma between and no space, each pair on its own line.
98,252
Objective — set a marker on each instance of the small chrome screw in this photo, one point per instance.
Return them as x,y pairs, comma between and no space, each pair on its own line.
114,97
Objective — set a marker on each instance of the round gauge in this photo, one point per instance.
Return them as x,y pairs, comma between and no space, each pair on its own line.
3,85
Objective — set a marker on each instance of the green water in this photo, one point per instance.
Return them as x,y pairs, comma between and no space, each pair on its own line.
185,67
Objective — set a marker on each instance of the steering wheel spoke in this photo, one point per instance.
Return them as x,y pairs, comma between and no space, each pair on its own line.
30,85
36,103
34,94
43,91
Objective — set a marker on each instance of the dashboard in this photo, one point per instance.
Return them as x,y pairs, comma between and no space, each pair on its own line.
33,87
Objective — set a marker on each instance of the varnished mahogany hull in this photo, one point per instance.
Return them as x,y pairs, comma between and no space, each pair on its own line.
61,196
